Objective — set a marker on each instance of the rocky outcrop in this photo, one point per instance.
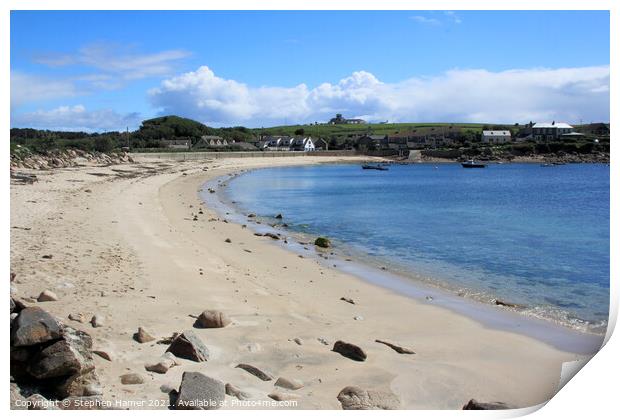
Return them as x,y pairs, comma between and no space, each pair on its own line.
33,326
200,392
53,359
66,357
355,398
23,159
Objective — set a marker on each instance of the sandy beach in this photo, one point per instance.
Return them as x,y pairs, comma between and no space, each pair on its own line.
124,245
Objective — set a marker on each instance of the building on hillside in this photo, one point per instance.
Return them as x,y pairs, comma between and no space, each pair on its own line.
182,144
321,144
496,136
396,143
339,119
302,144
370,142
244,146
210,141
550,131
277,142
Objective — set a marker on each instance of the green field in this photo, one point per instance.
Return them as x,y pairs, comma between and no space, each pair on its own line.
327,130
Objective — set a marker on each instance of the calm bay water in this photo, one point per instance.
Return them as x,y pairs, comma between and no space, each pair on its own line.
537,236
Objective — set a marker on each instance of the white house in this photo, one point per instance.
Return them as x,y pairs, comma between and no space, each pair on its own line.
302,144
277,142
496,136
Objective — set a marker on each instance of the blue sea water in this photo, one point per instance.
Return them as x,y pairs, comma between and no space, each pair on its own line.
523,233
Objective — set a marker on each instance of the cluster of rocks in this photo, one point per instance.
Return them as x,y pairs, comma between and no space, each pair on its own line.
48,360
560,157
51,361
67,158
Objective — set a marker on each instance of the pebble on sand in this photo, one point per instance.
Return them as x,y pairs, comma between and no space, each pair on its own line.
142,336
47,296
292,384
260,374
349,350
132,379
97,320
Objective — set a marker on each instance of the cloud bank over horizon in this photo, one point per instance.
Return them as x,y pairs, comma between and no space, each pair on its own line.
77,118
458,95
476,95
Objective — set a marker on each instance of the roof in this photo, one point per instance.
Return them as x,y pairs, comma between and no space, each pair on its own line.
552,125
210,138
176,141
496,133
573,135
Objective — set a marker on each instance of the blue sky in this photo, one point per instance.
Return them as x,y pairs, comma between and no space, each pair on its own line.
107,70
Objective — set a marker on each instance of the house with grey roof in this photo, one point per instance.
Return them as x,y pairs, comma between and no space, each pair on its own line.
550,131
496,136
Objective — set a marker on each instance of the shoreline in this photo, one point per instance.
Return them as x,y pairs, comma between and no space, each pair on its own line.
125,246
547,330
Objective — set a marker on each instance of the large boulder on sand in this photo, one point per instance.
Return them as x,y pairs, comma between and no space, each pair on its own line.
188,346
34,326
200,392
69,356
212,319
354,398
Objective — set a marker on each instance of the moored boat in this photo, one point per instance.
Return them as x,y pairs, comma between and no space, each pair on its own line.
472,164
375,167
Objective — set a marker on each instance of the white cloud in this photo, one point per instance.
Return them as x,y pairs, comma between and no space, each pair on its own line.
95,67
76,118
521,95
28,88
121,62
426,20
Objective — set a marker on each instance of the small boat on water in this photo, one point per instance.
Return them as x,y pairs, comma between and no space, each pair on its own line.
472,164
375,167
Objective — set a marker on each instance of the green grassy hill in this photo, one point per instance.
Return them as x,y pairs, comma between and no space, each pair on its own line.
328,130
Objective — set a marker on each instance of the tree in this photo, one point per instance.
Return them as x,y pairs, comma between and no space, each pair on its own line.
300,132
103,144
